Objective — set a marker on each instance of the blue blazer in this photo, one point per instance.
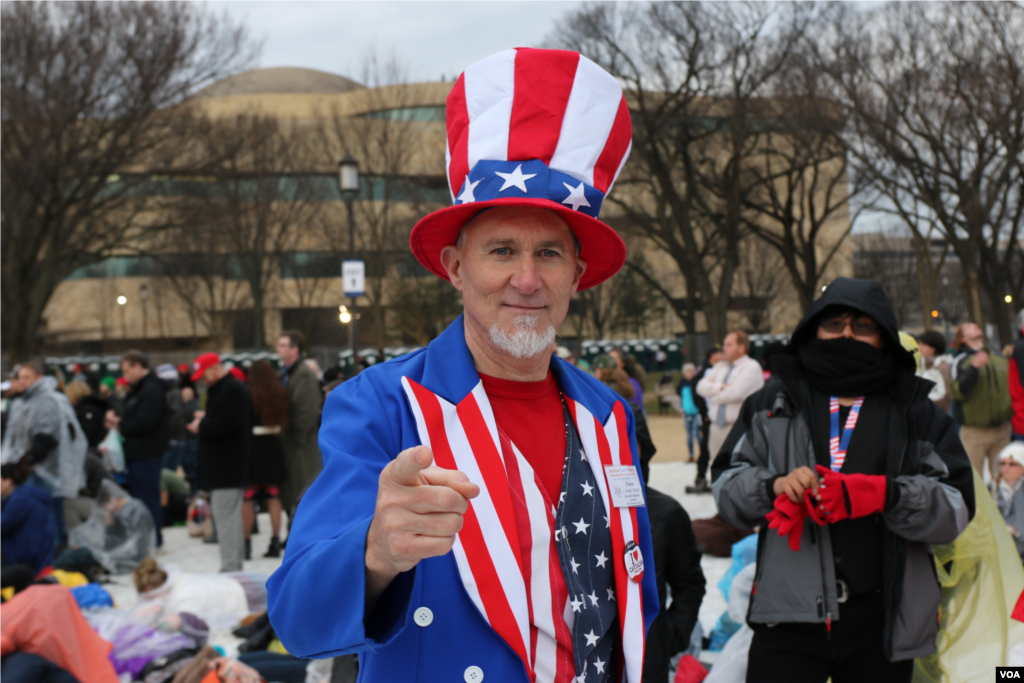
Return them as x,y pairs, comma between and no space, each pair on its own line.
317,596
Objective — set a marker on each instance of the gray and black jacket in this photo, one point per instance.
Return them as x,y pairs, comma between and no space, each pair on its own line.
930,499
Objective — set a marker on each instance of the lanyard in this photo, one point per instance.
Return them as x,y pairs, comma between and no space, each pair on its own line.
837,447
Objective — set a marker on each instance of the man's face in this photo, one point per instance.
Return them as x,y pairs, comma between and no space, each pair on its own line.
973,335
859,326
213,374
732,349
132,373
27,377
286,352
516,268
926,351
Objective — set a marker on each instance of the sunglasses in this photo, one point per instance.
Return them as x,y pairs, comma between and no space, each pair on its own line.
861,328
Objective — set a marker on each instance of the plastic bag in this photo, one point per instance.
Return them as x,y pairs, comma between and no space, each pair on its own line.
218,599
112,451
135,644
255,586
731,665
92,595
743,553
120,532
981,577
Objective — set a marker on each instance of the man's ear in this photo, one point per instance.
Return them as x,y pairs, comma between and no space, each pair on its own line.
581,267
451,259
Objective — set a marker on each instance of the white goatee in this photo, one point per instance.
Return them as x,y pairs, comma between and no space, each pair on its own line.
524,341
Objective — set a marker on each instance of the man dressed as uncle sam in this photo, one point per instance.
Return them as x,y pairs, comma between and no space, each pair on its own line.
480,515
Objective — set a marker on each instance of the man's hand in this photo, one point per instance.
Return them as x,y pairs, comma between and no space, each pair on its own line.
419,510
111,420
197,417
795,483
980,359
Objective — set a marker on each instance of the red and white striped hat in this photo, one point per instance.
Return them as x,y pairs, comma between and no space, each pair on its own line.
540,128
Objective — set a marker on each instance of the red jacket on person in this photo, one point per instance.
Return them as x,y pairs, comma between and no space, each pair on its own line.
1017,386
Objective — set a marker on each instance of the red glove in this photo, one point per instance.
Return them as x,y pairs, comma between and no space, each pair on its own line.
788,519
849,496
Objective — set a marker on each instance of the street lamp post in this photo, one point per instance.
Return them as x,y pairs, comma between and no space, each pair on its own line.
122,301
348,183
143,295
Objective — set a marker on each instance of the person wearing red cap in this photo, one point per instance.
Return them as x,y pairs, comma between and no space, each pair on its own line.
480,514
224,435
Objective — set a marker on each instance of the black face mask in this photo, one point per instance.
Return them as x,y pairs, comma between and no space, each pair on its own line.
846,367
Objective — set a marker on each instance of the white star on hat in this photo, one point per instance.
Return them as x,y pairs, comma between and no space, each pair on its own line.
575,198
467,195
515,179
581,526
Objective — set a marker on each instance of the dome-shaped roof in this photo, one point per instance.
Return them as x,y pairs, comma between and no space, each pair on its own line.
280,80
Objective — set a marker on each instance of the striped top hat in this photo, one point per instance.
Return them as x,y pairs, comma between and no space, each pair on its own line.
538,128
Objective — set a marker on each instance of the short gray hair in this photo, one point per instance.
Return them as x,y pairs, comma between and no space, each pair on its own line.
689,366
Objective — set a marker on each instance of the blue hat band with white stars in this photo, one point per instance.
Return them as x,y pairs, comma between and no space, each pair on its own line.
530,179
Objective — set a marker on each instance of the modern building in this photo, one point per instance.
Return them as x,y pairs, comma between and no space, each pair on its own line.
192,287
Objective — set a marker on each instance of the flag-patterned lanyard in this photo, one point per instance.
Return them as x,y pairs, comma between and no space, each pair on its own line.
837,445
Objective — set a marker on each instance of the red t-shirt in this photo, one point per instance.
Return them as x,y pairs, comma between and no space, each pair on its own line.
530,414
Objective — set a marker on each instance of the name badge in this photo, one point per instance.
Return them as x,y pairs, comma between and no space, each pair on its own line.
624,485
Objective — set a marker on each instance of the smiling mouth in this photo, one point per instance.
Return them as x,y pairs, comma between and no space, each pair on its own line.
520,307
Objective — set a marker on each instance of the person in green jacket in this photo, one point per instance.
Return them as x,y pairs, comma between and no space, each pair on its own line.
981,392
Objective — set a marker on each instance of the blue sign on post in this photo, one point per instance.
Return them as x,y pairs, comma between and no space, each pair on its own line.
353,277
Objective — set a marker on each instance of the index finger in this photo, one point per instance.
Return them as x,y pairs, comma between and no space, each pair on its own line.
405,469
453,479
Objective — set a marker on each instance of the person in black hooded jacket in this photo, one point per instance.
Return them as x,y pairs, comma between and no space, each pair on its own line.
844,453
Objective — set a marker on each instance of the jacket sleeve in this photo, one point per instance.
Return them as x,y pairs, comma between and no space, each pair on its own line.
326,560
741,491
143,415
305,404
685,578
229,413
965,377
936,505
709,385
747,379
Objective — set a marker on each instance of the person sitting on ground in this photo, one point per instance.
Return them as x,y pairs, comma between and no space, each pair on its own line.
266,464
1010,493
844,453
26,529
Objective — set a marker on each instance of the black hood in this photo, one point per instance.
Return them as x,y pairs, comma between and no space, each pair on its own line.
866,296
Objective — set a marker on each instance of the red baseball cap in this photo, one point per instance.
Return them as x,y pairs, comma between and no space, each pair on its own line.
204,363
183,369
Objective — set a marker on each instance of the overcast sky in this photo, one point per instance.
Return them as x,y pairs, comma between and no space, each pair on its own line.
430,39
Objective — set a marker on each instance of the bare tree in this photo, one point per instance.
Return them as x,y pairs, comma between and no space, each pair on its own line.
87,91
258,199
694,74
888,258
935,94
761,280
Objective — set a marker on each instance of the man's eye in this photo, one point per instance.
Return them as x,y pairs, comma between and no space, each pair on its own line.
502,251
549,253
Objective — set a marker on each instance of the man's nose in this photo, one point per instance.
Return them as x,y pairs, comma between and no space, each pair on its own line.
526,279
848,330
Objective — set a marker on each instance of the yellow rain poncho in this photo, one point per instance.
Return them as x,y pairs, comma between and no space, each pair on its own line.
981,577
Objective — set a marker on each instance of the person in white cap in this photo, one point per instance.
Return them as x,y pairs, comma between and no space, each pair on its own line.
480,514
1010,493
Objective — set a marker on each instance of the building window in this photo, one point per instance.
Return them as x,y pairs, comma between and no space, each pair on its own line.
423,113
